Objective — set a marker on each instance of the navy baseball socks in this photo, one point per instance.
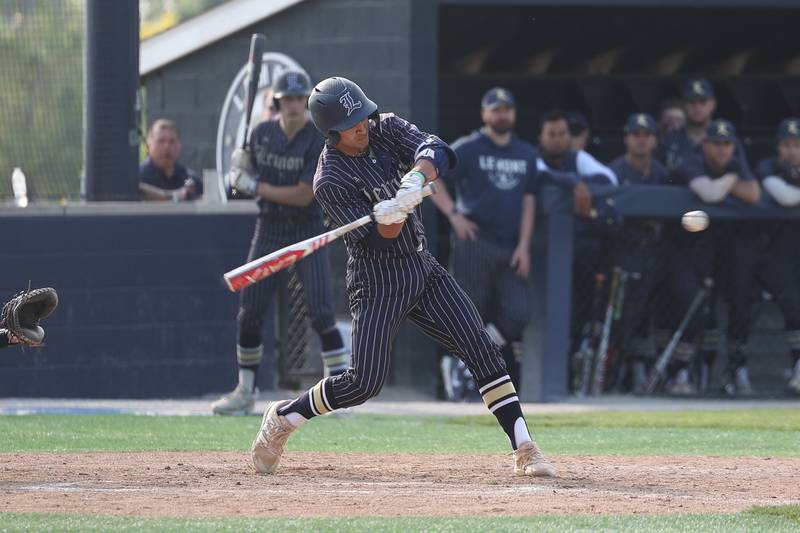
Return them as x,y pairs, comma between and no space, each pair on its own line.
314,402
501,399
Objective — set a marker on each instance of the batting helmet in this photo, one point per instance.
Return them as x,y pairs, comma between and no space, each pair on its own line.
338,104
290,83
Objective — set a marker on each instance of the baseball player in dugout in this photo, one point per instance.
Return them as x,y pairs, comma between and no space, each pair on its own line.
278,171
713,176
679,145
637,248
492,220
378,164
571,171
161,177
775,261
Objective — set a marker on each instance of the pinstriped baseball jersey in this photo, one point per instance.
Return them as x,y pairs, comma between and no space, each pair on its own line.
282,161
403,281
348,187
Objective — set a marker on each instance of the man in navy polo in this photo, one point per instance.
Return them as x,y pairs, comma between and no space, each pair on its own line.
493,221
161,177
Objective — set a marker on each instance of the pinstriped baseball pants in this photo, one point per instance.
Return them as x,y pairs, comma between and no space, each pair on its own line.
383,293
257,302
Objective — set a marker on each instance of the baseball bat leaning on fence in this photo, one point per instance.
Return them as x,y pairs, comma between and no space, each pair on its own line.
590,338
260,268
660,368
257,46
601,355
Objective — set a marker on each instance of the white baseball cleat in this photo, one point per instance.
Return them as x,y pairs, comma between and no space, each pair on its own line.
530,461
239,402
268,446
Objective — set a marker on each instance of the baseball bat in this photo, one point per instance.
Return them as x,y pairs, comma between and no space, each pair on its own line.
602,348
258,269
591,335
660,368
257,45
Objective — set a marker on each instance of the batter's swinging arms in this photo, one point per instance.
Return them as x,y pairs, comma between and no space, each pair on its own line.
379,163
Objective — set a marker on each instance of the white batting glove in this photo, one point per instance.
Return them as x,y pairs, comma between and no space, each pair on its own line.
241,176
241,181
388,212
240,158
409,195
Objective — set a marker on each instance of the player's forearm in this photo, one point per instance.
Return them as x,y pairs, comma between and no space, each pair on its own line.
300,195
151,193
747,191
427,168
713,191
783,193
527,221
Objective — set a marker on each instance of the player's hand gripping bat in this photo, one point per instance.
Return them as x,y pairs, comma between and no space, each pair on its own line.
260,268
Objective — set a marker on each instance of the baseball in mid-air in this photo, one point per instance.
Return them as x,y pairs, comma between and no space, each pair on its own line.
695,221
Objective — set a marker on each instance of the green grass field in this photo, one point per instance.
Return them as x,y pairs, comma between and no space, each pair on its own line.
773,432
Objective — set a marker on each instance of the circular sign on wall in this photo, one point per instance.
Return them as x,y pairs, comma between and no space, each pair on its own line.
230,132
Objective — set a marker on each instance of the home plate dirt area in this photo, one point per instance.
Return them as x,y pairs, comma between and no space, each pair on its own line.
205,484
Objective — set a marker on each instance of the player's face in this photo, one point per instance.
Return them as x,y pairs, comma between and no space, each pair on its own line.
356,139
293,108
640,143
554,138
700,111
718,153
164,147
789,151
500,118
673,118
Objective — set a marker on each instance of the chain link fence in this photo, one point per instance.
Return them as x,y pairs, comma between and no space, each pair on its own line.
41,111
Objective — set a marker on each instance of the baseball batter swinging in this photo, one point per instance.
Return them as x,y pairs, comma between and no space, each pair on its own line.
379,163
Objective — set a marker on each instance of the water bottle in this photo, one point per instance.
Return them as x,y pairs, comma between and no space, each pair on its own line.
20,188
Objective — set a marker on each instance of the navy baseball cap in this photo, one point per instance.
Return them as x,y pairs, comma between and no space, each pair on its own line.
720,130
641,122
789,128
577,122
498,96
699,89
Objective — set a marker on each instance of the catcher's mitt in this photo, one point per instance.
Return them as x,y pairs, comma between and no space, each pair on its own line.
21,315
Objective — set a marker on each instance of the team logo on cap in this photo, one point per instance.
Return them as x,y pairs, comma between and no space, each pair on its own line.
793,128
697,87
349,104
502,94
293,80
642,120
722,129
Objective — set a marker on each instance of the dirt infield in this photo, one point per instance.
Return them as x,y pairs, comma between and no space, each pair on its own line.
193,484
